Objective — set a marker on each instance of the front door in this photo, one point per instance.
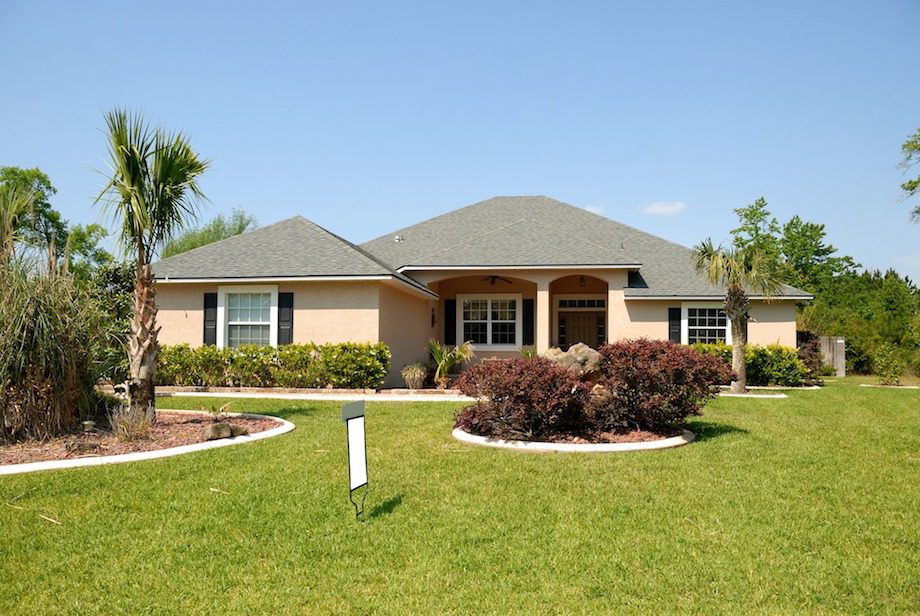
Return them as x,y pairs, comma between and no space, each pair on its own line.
586,327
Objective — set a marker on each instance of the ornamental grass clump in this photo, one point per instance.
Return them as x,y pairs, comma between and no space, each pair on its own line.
49,338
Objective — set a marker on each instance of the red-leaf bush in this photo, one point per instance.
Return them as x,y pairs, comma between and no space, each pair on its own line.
524,398
653,385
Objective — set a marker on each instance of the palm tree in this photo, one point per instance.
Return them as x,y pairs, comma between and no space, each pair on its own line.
740,271
152,192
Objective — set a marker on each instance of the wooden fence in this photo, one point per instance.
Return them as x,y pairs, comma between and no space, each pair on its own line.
833,349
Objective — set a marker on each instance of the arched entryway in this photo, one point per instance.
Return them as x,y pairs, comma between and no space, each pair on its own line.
579,307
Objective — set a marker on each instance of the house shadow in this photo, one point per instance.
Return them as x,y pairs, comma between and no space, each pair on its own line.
386,507
706,430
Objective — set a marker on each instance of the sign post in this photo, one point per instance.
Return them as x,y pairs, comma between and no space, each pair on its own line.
353,416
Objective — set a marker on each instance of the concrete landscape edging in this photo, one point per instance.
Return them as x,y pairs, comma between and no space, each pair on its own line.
889,386
137,456
666,443
725,394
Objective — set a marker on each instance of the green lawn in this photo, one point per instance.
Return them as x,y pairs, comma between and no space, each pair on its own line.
810,504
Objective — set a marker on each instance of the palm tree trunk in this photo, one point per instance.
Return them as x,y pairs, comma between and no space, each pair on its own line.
739,342
142,342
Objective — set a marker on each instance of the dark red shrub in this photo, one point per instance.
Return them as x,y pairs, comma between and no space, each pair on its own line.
653,385
522,399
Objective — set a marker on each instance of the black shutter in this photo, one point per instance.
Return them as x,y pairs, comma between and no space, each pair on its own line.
527,319
674,325
210,318
285,318
450,321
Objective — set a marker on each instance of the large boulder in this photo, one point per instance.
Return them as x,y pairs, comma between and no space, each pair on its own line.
217,430
581,360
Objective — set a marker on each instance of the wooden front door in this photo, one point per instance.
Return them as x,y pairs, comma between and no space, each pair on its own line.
586,327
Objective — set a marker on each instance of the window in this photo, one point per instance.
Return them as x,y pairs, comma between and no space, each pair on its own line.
247,314
490,321
581,303
248,319
707,325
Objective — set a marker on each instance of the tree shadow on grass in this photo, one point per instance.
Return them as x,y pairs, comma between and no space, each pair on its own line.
706,430
386,507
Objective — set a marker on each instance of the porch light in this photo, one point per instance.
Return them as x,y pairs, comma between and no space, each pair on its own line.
434,319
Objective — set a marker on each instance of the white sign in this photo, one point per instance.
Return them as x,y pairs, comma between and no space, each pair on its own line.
353,416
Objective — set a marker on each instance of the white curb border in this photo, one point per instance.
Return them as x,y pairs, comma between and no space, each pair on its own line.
665,443
725,394
331,397
778,387
889,386
137,456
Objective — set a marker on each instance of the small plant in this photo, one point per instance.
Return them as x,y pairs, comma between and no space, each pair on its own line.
445,359
132,423
217,414
888,365
529,353
414,375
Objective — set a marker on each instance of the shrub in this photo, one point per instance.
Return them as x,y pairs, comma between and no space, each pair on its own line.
653,384
414,375
809,352
348,365
446,359
522,399
49,339
770,365
888,365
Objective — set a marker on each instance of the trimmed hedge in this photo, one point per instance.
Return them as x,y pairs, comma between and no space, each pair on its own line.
643,384
347,365
769,365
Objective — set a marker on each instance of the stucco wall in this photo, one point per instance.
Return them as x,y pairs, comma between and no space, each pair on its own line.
405,326
323,311
334,311
180,312
644,319
772,323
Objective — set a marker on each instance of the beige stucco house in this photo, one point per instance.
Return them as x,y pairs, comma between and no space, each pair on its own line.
508,273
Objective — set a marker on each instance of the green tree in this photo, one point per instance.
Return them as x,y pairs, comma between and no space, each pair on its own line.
219,228
911,152
44,226
14,206
152,192
757,229
808,261
740,271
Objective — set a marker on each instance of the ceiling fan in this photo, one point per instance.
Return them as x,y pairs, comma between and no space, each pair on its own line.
492,279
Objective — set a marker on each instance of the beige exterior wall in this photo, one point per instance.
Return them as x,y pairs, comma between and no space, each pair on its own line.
645,319
327,312
772,323
323,311
405,327
180,312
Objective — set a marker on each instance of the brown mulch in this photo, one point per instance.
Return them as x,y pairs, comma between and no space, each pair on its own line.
634,436
171,430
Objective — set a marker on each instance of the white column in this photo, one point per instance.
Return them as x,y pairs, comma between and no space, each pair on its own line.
541,319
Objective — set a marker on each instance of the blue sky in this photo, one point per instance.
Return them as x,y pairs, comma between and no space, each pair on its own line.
368,116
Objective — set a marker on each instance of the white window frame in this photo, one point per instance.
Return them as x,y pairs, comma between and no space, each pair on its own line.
685,323
518,312
223,325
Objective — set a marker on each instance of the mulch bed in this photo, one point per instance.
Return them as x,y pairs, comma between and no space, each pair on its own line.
634,436
171,430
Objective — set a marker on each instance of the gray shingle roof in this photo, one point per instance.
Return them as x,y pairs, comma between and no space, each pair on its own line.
539,231
292,248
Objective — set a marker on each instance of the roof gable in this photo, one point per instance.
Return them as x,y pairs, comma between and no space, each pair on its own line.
291,248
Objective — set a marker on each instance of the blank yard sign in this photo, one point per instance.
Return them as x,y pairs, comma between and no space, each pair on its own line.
353,416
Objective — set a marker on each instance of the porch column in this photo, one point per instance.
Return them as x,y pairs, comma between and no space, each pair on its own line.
542,317
617,316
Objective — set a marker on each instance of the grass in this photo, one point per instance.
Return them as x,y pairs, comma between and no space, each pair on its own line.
808,504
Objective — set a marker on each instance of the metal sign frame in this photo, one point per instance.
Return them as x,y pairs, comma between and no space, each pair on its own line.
353,417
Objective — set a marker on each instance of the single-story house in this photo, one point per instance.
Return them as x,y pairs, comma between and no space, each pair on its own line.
509,273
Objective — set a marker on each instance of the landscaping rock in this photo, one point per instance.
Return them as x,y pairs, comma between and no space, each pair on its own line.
217,430
581,360
238,430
